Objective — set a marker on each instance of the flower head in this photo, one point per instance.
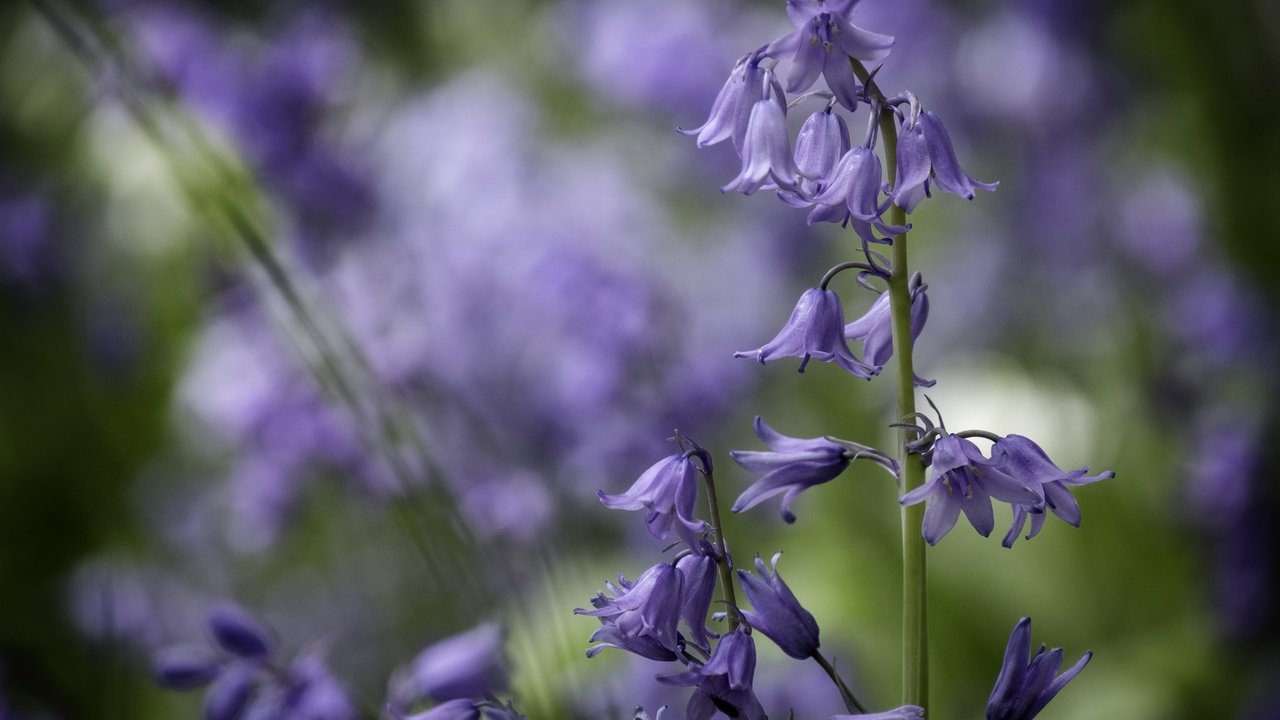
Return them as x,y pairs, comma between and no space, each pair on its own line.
925,154
640,617
794,465
1026,684
875,327
724,683
698,571
1022,459
853,196
822,44
467,665
814,330
731,111
823,140
776,612
962,479
668,490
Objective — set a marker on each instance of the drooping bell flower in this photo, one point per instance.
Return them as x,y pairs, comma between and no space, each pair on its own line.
925,155
724,683
875,327
823,140
668,491
699,573
640,617
853,195
814,330
1026,683
731,111
466,665
822,44
766,149
1024,460
776,612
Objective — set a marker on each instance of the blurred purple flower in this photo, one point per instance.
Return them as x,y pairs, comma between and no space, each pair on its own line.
814,330
1023,460
793,465
467,665
962,479
776,612
235,630
1026,684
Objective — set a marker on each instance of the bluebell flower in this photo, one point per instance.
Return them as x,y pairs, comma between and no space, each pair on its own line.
731,111
776,612
1026,684
1022,459
724,683
185,667
466,665
766,149
853,195
906,712
640,617
962,479
231,692
925,154
793,465
238,632
814,330
875,327
822,43
823,140
699,573
668,490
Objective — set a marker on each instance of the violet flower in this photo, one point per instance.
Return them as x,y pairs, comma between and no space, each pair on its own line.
906,712
668,490
776,612
640,617
231,692
962,479
238,632
793,465
924,153
1024,460
724,683
733,106
814,330
466,665
853,195
823,140
1026,684
822,44
875,327
766,149
452,710
699,573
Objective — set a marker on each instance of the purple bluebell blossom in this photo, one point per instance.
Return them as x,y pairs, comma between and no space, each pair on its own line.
466,665
925,155
1024,460
668,491
961,478
451,710
814,330
776,612
875,327
699,573
640,617
238,632
1026,683
853,195
793,465
231,693
724,683
731,112
185,667
906,712
823,140
822,44
766,148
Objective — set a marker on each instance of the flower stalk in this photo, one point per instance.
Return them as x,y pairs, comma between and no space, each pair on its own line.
722,550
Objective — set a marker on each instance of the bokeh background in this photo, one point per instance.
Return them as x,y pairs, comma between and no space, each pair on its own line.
344,312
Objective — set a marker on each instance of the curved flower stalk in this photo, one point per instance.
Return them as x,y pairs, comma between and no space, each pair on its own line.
1026,683
793,465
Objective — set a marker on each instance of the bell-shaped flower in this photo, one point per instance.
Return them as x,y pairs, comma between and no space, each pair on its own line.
875,327
731,111
1022,459
640,617
231,692
776,612
906,712
766,150
466,665
185,667
853,195
699,574
238,632
1026,683
794,465
961,478
668,490
724,682
823,140
925,155
814,330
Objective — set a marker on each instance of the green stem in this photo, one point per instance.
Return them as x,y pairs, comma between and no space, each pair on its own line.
915,625
722,550
850,702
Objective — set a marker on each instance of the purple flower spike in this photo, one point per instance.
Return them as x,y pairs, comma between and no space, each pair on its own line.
906,712
962,479
1026,684
724,683
699,579
185,667
875,327
452,710
640,617
777,613
766,151
467,665
794,465
814,330
929,138
1021,458
238,632
668,490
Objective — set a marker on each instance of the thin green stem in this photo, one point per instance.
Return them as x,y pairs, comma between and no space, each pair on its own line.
722,550
915,625
850,702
